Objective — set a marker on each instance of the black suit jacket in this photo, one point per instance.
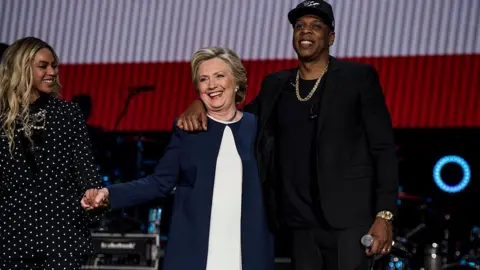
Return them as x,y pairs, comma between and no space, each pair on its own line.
356,155
40,211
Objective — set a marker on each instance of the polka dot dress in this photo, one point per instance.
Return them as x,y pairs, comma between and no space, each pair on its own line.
42,225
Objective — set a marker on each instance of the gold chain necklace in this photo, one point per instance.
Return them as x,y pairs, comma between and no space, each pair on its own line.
309,96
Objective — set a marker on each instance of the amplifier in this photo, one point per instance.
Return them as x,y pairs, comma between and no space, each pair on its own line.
125,251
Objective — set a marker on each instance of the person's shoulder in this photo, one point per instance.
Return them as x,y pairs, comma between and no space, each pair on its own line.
175,128
272,82
279,74
65,107
58,101
249,117
250,120
178,132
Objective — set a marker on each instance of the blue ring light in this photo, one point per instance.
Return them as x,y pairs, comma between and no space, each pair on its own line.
437,169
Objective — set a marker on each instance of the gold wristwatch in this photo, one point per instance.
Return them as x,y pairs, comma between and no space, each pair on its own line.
387,215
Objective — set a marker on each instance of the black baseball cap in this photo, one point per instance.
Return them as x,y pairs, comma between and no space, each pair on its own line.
318,8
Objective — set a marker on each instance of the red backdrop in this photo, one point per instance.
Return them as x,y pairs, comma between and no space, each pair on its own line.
421,91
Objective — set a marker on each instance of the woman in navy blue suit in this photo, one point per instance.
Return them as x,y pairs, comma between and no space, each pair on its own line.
218,220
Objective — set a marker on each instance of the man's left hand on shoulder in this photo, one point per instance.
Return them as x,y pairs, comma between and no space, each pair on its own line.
382,233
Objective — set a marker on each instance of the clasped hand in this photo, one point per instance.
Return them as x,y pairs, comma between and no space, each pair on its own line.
94,198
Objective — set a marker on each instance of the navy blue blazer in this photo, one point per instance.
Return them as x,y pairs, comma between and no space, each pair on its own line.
189,165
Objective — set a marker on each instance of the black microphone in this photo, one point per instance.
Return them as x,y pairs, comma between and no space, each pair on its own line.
141,88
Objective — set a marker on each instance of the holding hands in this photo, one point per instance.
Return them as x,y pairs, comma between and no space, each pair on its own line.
94,198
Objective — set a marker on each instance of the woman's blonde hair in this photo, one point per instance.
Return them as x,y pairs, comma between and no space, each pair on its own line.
16,83
231,58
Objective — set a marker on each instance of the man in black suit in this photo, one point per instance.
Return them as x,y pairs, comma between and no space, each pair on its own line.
325,149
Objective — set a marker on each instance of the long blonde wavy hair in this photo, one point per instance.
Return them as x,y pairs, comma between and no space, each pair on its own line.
16,84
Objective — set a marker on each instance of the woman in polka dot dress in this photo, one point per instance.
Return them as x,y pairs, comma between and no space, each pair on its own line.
45,164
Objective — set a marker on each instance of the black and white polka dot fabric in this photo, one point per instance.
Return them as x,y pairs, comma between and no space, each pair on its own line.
42,225
46,263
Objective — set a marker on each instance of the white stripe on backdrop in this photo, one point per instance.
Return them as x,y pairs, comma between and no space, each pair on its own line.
119,31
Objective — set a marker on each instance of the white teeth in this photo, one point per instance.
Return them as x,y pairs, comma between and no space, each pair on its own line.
214,94
306,42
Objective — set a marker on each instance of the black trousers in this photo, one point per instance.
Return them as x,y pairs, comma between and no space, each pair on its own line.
329,249
43,263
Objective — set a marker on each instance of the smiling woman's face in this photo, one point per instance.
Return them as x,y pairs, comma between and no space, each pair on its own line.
216,85
44,71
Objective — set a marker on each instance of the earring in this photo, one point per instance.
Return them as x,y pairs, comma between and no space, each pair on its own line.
236,89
